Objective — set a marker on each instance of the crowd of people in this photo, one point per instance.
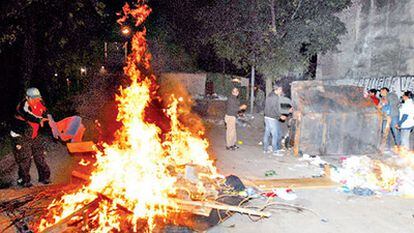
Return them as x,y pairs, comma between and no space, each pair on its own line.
397,117
273,117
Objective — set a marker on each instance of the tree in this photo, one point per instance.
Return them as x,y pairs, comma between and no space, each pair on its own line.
51,37
47,32
275,36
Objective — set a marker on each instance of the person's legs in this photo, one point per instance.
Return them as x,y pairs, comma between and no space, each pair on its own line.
23,157
388,139
276,134
230,130
395,132
38,156
405,139
281,133
268,128
273,132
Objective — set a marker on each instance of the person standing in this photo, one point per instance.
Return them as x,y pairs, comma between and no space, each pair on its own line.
272,115
406,120
389,105
232,109
372,93
29,118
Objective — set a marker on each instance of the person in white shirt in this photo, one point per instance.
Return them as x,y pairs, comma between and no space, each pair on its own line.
406,119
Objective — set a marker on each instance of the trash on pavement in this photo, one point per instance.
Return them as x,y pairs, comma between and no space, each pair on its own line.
270,173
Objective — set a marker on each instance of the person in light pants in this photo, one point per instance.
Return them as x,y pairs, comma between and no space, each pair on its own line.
406,119
233,106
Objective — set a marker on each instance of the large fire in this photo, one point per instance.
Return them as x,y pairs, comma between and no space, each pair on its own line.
140,171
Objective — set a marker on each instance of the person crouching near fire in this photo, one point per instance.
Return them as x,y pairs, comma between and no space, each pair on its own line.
406,121
29,118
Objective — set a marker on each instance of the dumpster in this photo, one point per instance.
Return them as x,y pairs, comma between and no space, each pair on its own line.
334,120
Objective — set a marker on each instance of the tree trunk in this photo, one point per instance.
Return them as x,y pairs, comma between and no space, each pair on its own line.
28,55
273,14
252,90
269,85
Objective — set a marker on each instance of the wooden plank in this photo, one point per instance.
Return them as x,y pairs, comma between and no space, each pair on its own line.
196,207
294,183
221,206
62,225
80,175
81,147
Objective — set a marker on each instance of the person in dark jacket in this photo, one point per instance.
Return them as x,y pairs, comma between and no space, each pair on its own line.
233,106
389,106
272,115
29,118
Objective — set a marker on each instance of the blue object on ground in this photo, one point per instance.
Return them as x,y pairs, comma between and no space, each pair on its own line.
362,191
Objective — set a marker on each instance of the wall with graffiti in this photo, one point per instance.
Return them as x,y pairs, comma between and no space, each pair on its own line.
397,84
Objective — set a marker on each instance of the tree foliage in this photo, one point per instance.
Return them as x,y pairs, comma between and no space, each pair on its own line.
51,36
274,35
51,40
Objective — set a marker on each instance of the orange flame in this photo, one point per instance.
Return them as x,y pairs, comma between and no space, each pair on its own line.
138,170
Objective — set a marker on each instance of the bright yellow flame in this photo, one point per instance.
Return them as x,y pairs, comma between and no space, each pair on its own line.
138,170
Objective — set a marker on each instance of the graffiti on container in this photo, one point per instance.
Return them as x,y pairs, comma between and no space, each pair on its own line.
397,84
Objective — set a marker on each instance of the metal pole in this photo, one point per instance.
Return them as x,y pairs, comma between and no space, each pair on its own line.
252,90
106,50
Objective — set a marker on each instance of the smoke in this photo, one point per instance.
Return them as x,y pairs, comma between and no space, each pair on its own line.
173,88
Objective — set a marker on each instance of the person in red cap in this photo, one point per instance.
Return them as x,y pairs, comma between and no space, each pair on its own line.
29,118
372,93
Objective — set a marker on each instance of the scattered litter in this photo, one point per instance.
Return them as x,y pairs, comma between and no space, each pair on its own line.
362,191
285,194
364,176
240,142
324,220
313,159
270,173
260,143
235,182
282,193
251,191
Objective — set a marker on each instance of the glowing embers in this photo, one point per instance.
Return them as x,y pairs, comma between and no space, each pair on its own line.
137,177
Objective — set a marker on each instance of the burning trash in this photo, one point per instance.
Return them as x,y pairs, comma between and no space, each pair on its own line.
365,176
145,176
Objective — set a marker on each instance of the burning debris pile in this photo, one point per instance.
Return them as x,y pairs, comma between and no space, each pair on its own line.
366,176
146,175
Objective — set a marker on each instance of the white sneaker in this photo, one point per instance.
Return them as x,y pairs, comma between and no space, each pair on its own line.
278,154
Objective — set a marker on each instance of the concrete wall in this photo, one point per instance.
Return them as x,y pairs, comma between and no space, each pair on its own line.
379,42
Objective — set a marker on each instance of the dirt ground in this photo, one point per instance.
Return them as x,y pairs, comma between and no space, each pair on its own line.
335,212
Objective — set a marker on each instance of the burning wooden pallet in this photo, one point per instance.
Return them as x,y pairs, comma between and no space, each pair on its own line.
204,208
